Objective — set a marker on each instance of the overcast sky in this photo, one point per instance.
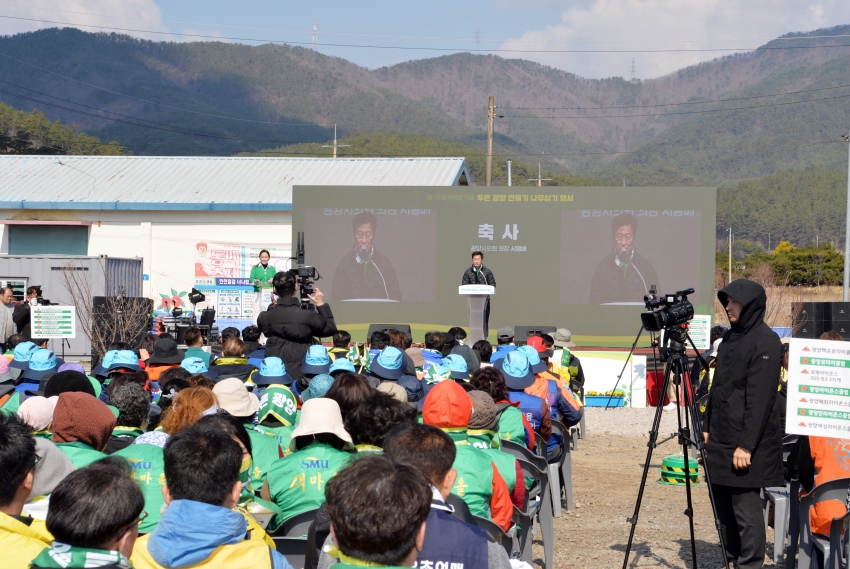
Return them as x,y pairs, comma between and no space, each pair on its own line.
553,32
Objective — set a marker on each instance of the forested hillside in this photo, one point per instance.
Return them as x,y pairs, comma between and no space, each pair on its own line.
32,133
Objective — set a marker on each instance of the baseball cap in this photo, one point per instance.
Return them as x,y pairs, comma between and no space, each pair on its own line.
505,332
539,345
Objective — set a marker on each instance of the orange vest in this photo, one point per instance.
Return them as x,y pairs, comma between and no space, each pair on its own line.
540,388
832,461
154,371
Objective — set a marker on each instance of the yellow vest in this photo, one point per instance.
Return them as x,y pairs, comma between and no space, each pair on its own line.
248,554
255,530
20,543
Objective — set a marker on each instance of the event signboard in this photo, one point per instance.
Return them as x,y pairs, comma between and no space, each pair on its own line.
818,388
53,321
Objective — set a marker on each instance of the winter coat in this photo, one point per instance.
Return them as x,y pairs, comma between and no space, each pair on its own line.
742,409
290,329
484,276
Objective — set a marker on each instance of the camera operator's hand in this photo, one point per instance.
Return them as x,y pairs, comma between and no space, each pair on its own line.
705,437
317,297
741,458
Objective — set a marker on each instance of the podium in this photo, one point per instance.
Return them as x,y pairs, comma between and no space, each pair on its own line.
476,297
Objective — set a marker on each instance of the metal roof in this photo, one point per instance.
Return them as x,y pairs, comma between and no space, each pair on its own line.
201,183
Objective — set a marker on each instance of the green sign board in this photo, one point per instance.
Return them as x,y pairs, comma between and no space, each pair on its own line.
53,321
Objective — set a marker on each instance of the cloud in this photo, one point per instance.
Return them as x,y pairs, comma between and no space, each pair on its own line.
651,24
105,13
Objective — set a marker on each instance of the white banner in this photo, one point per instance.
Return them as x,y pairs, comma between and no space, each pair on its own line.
818,388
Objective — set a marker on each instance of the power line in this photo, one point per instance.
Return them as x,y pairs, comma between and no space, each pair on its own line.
419,38
678,112
677,104
414,48
154,102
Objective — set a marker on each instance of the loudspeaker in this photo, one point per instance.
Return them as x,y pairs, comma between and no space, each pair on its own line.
523,333
837,311
809,330
810,311
842,328
386,327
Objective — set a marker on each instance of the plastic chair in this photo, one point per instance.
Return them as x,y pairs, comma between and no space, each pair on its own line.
562,474
495,534
521,452
832,490
297,526
582,428
293,548
538,505
839,556
779,496
793,525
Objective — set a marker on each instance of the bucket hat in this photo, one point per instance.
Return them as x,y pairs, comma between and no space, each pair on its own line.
100,369
320,415
563,338
316,360
319,385
234,398
279,402
165,352
342,364
457,366
198,365
72,366
537,365
516,369
42,362
23,353
272,370
6,373
389,364
123,359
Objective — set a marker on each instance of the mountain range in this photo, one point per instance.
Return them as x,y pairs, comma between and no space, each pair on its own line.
783,106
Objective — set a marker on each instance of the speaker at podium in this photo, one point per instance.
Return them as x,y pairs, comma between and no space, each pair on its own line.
476,298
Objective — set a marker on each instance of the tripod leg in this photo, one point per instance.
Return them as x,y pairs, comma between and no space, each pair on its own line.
653,437
622,371
685,441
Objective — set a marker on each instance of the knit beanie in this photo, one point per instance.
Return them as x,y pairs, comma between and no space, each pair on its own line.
81,417
68,381
37,412
484,414
52,469
447,406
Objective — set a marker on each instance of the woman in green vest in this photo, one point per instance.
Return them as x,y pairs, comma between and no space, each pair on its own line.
261,277
320,448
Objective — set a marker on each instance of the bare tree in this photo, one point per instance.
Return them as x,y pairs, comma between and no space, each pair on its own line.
118,319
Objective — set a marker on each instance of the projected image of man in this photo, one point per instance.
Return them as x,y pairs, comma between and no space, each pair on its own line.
364,273
624,275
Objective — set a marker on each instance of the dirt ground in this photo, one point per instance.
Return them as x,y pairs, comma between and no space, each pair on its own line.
606,475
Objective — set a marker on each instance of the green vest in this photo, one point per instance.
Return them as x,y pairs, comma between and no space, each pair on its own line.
474,468
127,432
264,451
488,442
43,434
256,506
282,434
510,426
81,454
297,482
148,466
11,406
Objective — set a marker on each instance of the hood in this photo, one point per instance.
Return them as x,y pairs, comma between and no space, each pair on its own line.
752,297
447,406
81,417
180,540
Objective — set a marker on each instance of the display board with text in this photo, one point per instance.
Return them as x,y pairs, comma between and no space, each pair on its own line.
818,401
53,321
580,258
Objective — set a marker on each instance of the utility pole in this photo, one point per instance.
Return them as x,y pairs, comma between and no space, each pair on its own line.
491,116
510,182
539,179
315,41
846,282
730,255
335,145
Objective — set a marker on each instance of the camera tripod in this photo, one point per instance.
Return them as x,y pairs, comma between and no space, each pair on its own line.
689,433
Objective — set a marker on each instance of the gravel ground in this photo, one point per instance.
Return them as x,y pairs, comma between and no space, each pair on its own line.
607,467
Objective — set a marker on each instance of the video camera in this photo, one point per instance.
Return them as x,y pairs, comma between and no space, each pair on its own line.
306,274
666,311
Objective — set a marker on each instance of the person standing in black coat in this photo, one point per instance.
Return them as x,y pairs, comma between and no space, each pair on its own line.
289,329
479,274
741,427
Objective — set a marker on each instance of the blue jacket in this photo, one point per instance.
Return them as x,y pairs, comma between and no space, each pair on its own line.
450,542
189,532
432,357
501,351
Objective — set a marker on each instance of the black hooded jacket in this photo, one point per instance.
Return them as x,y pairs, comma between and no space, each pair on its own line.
743,410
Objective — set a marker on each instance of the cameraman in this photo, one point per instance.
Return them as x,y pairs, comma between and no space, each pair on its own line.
21,314
289,329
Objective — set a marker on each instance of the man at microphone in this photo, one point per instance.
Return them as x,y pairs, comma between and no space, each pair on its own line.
364,273
479,274
623,276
